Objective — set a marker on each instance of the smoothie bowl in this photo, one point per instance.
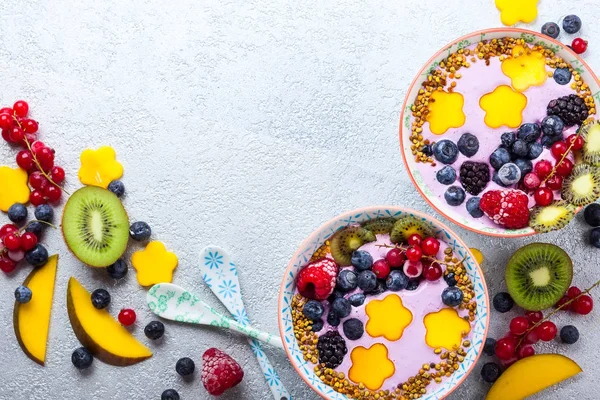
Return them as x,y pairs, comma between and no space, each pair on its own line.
383,303
499,133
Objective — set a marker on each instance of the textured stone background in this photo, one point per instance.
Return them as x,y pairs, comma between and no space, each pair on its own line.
245,124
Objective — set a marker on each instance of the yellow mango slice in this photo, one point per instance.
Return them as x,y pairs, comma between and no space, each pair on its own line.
155,264
445,111
445,329
371,366
513,11
526,68
387,317
13,187
99,167
503,106
478,255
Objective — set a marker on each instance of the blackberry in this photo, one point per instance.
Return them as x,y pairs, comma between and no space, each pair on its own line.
571,109
474,176
332,349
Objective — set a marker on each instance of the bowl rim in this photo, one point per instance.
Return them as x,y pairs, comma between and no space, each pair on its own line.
418,78
367,209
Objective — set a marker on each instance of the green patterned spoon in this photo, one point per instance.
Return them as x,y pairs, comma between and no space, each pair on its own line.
177,304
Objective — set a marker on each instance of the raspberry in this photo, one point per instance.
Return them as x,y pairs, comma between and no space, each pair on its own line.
474,176
508,208
317,280
219,372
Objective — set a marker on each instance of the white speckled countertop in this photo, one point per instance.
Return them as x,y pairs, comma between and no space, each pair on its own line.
245,124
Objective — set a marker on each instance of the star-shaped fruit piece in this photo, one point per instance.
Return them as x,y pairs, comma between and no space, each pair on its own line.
525,68
513,11
445,329
154,264
445,111
387,317
371,366
503,106
99,167
13,187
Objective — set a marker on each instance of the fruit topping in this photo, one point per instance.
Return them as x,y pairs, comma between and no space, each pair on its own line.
595,237
529,132
531,181
220,372
332,349
358,299
508,208
395,258
414,253
345,241
592,214
520,148
543,196
591,147
117,187
118,270
490,372
445,151
353,329
332,318
347,280
569,334
341,307
452,296
509,174
571,24
450,279
127,317
524,165
361,260
575,141
543,168
579,45
17,213
445,111
407,226
535,150
474,177
559,149
367,280
455,196
430,246
415,240
154,264
473,207
396,281
381,269
413,269
82,358
552,126
318,279
468,144
99,167
550,29
562,76
552,217
505,105
313,310
446,175
170,394
154,330
432,272
100,298
503,302
317,325
582,187
555,182
140,231
571,109
380,226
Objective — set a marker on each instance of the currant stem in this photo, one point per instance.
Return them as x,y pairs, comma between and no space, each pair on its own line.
433,259
561,159
3,249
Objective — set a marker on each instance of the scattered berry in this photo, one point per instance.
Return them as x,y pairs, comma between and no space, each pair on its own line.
565,167
381,269
17,213
413,269
531,181
562,76
36,198
550,29
489,348
23,294
503,302
452,296
7,265
44,213
140,231
576,141
118,270
415,239
546,331
362,260
35,227
543,196
347,280
170,394
414,253
595,237
7,229
432,272
468,144
313,310
318,279
100,298
395,258
220,372
559,149
454,196
185,366
82,358
591,214
569,334
450,279
554,182
499,157
358,299
571,24
520,148
573,292
38,256
524,165
154,330
505,349
508,208
127,316
562,303
490,372
341,307
395,281
519,325
367,280
579,45
117,187
525,351
52,193
353,329
445,151
583,305
430,246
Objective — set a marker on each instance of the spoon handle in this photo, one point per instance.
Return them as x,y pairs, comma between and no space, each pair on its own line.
251,332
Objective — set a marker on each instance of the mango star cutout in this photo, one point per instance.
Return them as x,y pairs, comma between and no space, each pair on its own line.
513,11
387,317
503,106
99,167
13,187
445,329
525,68
371,366
445,111
155,264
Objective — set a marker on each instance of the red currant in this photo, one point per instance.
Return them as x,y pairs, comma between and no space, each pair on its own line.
36,198
543,168
543,196
21,108
127,316
16,134
534,316
395,258
37,146
505,348
16,256
531,181
519,325
58,174
7,265
559,149
579,45
6,110
6,121
525,351
415,239
565,167
546,331
531,337
52,193
414,253
38,181
554,182
573,292
575,141
12,241
30,125
432,272
381,269
28,241
562,302
30,137
430,246
6,135
583,305
8,228
25,160
46,158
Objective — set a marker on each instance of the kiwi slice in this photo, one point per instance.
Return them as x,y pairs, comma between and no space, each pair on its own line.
95,226
582,187
538,275
591,147
380,226
552,217
409,225
346,240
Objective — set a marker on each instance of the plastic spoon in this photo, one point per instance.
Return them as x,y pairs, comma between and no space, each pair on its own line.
173,302
220,275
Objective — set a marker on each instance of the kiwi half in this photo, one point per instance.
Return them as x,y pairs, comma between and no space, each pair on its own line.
95,226
346,240
538,275
582,187
409,225
552,217
591,147
380,226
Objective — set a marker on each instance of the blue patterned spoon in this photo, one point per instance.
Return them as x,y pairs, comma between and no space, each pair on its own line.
220,275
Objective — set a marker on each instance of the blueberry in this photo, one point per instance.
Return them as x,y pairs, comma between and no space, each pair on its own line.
357,299
38,256
313,310
499,157
117,188
571,24
353,329
452,296
490,372
332,318
473,207
509,174
17,213
427,150
154,330
592,214
519,148
548,141
552,125
396,280
503,302
450,279
562,76
468,144
569,334
23,294
367,280
341,307
454,196
336,294
35,227
185,366
551,29
529,132
489,348
508,138
595,237
169,394
446,175
362,260
445,151
535,150
379,288
497,180
347,280
140,231
524,165
118,270
413,284
317,325
44,212
81,358
100,299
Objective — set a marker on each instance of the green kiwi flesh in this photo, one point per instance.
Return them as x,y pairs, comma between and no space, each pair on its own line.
591,147
345,241
380,226
409,225
538,275
552,217
582,187
95,226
